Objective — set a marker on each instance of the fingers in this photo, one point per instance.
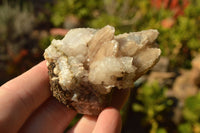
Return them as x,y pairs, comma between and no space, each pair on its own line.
109,121
85,125
24,94
21,96
52,117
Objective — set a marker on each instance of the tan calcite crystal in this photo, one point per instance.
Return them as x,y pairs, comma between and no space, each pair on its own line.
88,64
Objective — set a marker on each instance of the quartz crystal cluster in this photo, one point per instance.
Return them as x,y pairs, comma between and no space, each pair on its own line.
88,64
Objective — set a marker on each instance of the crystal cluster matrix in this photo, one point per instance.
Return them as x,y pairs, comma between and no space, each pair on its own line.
87,65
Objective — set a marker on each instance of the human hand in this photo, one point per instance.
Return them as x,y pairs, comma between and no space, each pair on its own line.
26,105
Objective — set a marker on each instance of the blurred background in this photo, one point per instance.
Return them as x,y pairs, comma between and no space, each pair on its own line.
165,100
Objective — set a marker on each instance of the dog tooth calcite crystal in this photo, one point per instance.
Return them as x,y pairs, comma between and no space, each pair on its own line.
88,64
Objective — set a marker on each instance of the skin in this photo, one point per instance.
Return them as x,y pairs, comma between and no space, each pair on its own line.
27,106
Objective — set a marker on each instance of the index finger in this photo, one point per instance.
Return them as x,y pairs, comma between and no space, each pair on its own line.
22,95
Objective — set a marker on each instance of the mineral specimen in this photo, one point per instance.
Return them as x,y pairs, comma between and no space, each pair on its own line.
88,64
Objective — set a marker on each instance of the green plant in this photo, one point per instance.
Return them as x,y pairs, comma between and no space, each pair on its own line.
95,13
152,102
191,115
82,9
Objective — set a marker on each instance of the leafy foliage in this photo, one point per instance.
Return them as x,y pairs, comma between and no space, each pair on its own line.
191,115
191,111
152,102
82,9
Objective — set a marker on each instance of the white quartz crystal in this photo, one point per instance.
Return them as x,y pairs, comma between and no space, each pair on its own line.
100,58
